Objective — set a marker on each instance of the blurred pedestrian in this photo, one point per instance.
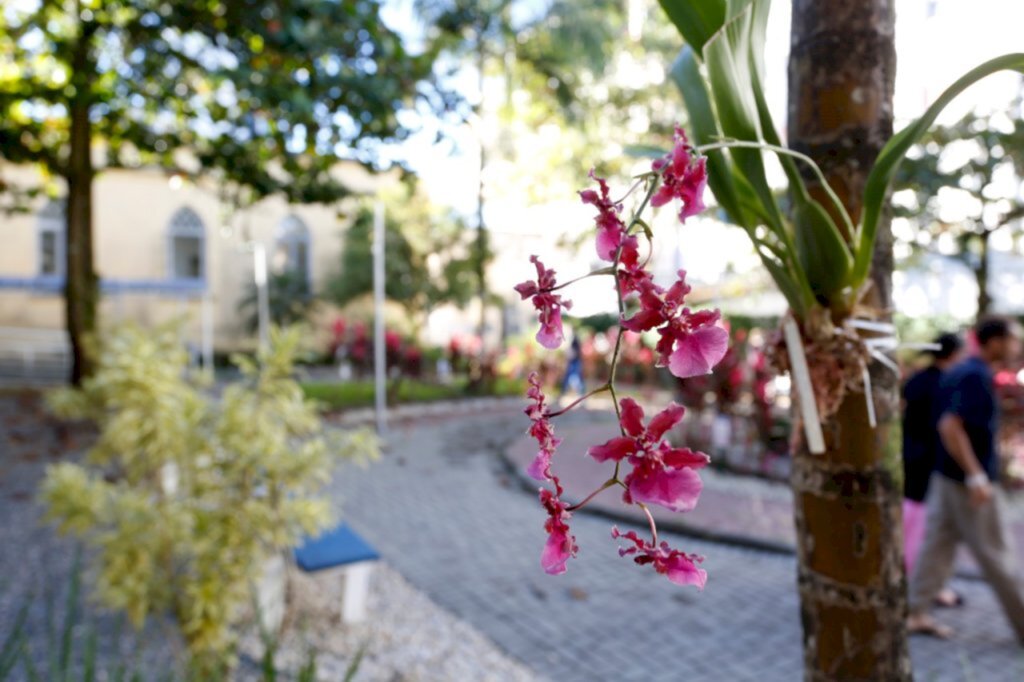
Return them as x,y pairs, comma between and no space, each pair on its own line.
574,370
920,448
963,504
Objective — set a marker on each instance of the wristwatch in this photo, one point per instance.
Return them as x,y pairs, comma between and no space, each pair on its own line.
978,480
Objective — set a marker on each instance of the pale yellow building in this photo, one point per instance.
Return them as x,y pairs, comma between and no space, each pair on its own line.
165,248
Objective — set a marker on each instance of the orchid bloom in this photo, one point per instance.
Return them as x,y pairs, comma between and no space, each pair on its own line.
611,231
661,474
561,545
684,177
679,567
547,303
691,342
541,430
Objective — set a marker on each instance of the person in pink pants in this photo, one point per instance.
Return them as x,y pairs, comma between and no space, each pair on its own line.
920,443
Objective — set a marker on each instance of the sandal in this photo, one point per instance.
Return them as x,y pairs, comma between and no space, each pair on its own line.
949,598
929,627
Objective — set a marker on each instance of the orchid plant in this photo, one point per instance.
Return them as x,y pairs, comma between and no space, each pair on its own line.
648,469
818,255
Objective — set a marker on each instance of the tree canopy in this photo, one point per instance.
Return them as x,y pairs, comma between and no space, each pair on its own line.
264,95
961,185
429,256
267,94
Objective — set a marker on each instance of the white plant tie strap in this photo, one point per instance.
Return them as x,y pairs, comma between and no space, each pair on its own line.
804,389
877,347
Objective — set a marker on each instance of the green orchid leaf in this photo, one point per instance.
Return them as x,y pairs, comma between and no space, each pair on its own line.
730,76
697,20
685,73
780,274
823,253
892,154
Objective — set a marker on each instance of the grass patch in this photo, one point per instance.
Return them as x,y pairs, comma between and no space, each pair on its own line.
338,395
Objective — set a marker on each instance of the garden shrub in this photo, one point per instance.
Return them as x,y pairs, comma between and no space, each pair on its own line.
184,494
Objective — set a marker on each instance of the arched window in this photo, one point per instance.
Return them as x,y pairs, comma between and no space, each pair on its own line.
292,250
51,239
187,237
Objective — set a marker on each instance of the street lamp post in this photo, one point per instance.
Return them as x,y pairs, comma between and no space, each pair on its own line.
379,359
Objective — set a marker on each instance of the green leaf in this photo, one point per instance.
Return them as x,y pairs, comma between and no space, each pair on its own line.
758,32
704,129
892,154
13,642
730,76
821,250
780,274
697,20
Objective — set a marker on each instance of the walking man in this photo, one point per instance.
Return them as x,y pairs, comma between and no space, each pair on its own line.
920,449
963,504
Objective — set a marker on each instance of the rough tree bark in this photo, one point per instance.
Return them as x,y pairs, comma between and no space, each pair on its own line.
847,512
81,287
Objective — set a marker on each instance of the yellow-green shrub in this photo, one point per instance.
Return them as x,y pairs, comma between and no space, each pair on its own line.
184,494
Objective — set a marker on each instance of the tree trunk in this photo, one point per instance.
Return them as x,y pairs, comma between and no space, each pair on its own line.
481,232
981,273
81,287
848,500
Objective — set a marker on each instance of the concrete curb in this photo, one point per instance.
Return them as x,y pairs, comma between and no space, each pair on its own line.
681,527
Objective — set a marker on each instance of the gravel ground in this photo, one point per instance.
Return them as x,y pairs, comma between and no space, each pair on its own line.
407,638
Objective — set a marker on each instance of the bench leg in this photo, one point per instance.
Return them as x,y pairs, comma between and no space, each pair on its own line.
355,591
270,595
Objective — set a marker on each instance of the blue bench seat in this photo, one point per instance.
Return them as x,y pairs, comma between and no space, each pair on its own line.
333,548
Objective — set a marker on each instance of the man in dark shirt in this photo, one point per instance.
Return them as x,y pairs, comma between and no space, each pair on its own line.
963,505
920,447
921,417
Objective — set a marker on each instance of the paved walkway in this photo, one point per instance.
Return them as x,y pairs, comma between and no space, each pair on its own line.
445,511
741,509
409,638
744,510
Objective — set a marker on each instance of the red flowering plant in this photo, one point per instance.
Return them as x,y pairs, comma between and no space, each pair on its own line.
649,469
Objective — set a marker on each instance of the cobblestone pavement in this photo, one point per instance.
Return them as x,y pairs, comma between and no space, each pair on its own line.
748,510
745,509
446,513
409,638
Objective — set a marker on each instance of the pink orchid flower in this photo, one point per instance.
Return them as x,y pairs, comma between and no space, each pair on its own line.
661,474
548,304
679,567
684,176
691,343
561,545
541,430
611,231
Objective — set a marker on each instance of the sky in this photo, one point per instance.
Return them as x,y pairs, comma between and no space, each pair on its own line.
937,40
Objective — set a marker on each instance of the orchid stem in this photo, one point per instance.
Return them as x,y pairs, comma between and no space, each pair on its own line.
640,179
599,389
650,520
622,307
607,484
784,151
603,271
